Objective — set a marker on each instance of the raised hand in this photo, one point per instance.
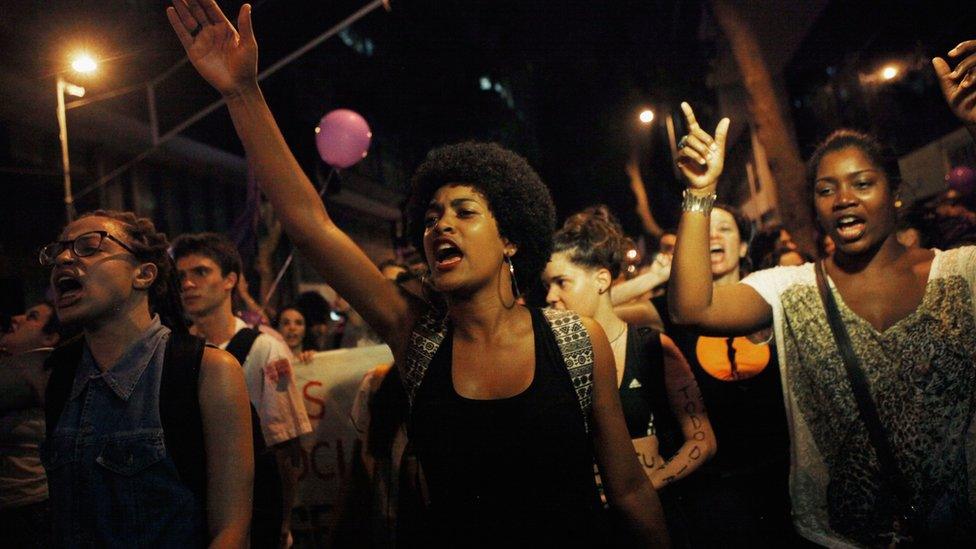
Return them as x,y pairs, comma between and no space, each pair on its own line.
228,60
702,157
959,84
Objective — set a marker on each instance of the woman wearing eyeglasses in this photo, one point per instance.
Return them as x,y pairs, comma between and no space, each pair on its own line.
115,476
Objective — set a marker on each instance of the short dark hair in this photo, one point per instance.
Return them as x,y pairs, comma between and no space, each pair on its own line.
593,239
847,138
150,245
215,246
517,198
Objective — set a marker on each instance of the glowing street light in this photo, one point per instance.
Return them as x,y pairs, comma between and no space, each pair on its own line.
646,116
889,72
83,63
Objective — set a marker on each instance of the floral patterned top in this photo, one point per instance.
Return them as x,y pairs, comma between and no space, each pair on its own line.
921,375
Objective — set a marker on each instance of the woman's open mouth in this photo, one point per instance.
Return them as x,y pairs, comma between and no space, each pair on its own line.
717,253
850,227
68,290
447,256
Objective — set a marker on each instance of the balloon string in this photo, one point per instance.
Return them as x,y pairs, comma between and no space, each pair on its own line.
291,256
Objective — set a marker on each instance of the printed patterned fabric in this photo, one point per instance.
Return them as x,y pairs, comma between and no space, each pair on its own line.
922,378
577,350
427,336
571,337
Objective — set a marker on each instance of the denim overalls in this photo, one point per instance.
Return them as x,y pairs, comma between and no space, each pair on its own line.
111,481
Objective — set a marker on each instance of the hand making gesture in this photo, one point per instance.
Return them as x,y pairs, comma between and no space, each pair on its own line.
959,85
700,156
228,60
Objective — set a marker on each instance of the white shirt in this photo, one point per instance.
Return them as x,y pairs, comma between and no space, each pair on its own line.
919,373
271,388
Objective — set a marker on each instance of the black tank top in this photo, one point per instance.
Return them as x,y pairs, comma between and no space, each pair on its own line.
747,415
643,393
506,471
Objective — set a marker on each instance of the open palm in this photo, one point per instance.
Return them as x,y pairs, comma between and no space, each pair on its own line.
701,157
225,58
959,84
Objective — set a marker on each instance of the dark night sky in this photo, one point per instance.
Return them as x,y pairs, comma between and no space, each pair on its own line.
573,76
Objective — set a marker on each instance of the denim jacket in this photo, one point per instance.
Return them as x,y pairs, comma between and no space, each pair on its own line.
111,480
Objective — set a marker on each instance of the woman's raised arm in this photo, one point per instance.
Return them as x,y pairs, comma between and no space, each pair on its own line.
227,59
735,309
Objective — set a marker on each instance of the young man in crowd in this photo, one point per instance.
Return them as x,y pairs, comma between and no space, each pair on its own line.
209,268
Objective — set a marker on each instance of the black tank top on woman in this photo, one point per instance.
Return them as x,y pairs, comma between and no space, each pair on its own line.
508,471
643,393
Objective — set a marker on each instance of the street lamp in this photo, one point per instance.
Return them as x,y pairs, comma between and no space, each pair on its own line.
82,63
889,72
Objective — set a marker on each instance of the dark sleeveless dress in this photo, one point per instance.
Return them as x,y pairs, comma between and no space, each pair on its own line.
511,471
740,497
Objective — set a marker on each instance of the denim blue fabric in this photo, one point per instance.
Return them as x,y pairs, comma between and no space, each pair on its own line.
111,481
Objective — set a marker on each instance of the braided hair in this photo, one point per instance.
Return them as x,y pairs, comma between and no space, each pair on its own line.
151,246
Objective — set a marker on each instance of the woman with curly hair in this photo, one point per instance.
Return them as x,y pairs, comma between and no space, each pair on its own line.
505,438
877,342
162,465
662,404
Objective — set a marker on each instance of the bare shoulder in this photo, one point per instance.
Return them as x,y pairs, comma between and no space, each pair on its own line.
214,359
219,368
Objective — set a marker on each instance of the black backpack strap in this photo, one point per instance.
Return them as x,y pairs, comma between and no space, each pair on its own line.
266,510
179,410
240,345
62,363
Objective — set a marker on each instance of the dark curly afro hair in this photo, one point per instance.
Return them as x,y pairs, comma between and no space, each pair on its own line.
517,198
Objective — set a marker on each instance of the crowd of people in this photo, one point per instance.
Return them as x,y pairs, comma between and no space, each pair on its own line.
733,392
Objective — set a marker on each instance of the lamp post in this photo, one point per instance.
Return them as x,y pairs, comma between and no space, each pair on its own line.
84,64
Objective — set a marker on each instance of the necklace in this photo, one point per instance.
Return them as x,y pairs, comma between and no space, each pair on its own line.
620,333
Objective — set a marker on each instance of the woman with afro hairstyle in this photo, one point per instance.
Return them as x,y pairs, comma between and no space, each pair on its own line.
495,418
662,404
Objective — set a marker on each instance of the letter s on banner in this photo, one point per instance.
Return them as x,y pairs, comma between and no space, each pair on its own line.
309,399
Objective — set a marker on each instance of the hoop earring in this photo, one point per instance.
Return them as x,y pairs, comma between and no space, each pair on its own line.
511,269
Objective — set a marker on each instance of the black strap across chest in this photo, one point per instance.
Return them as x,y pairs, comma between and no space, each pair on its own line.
867,410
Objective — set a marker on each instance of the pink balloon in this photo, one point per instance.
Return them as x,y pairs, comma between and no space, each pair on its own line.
342,138
962,179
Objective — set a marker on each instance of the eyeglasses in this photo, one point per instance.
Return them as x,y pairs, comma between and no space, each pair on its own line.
83,245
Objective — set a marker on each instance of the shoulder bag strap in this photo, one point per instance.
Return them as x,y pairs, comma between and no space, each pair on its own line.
859,386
